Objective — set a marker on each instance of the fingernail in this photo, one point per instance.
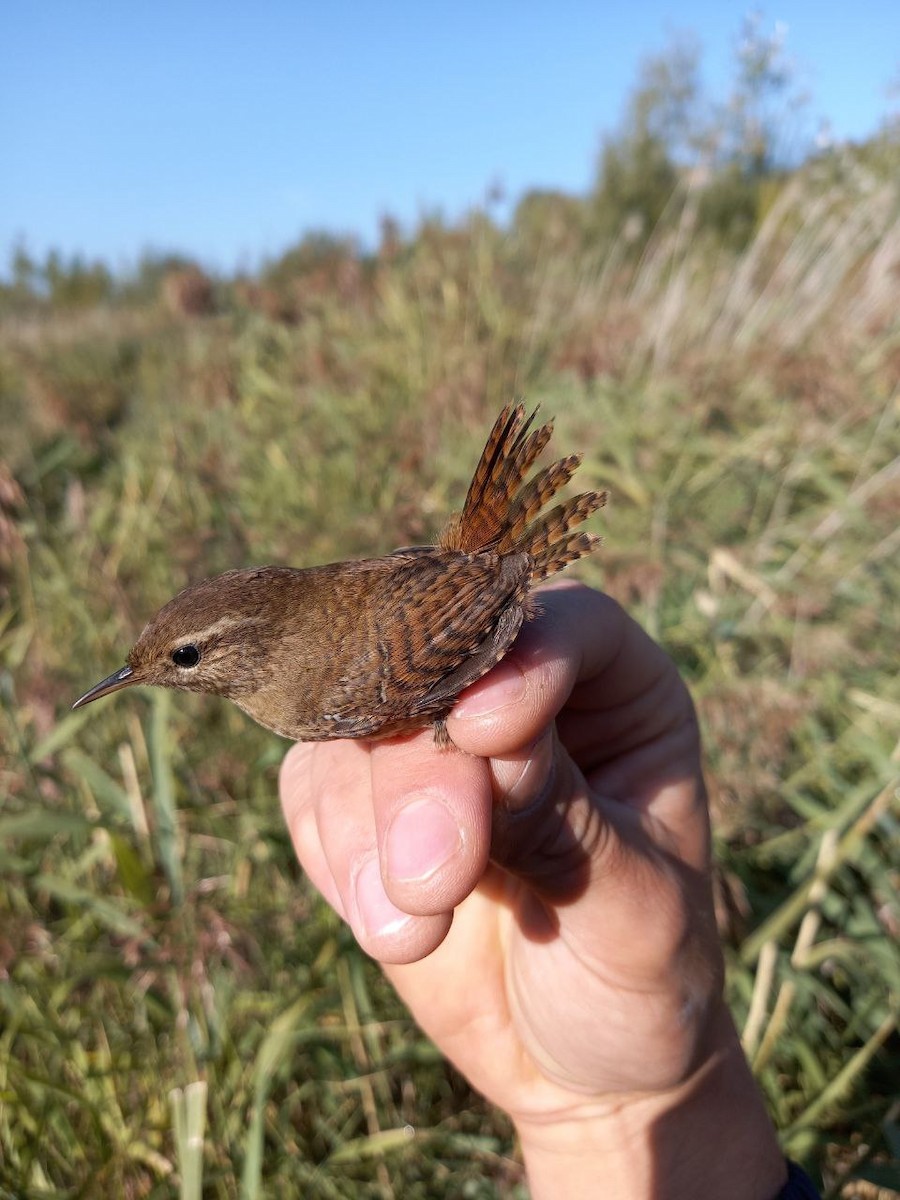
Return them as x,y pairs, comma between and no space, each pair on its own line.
379,917
521,780
422,837
503,686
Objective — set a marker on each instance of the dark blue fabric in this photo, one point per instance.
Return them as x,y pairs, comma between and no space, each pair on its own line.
798,1187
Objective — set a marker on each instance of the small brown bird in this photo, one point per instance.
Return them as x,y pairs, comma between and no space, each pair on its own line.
382,645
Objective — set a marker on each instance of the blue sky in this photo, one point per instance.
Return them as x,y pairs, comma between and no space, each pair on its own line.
226,130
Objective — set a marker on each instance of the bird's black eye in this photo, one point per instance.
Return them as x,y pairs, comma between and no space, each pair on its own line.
186,656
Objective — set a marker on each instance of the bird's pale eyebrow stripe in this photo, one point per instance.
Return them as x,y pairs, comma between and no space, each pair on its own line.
210,631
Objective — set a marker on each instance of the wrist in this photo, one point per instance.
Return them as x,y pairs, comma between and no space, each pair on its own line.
706,1138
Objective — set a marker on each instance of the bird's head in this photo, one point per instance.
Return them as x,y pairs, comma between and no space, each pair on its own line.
216,636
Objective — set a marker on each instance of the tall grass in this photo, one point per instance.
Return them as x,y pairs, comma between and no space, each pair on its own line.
180,1015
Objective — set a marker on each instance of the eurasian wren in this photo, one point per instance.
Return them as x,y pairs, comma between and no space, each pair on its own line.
382,645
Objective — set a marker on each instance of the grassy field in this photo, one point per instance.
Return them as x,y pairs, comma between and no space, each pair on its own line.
179,1015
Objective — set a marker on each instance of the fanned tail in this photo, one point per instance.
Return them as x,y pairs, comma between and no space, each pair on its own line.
501,512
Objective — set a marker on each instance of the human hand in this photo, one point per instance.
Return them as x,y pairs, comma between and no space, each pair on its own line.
576,977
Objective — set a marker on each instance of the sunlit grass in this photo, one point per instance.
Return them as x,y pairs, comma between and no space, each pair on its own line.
178,1013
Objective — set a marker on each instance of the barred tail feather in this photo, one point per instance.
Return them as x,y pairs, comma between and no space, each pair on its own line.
534,495
501,512
551,543
567,550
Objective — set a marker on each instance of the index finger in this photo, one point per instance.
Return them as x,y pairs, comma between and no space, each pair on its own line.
582,652
620,708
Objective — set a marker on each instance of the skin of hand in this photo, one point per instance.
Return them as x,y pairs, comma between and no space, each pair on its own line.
540,898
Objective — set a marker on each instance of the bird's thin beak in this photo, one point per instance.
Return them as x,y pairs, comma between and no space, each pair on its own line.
112,683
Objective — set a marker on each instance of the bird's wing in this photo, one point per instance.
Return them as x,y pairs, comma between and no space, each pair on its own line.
434,623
